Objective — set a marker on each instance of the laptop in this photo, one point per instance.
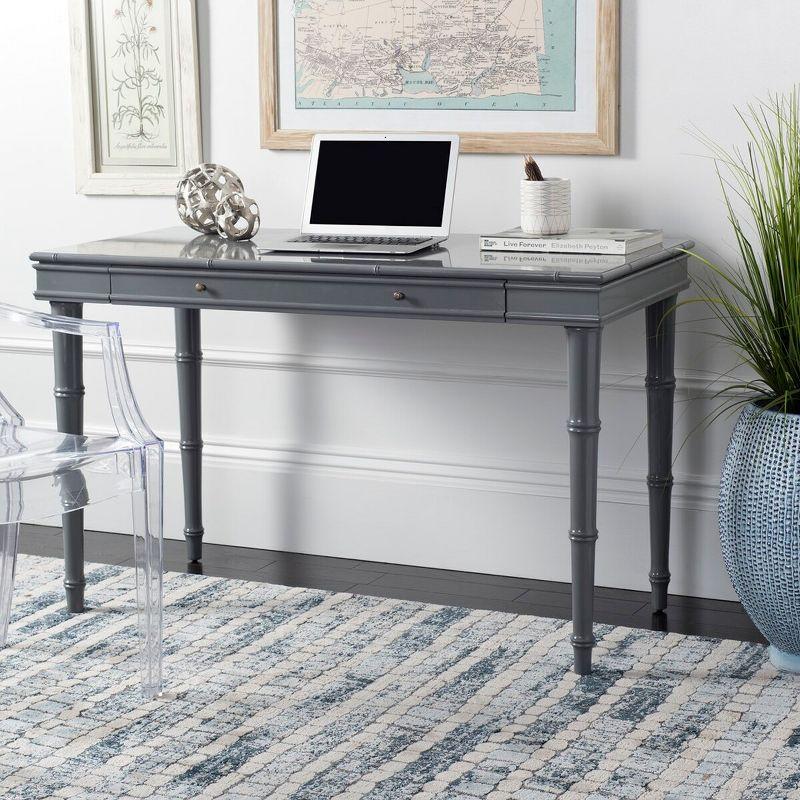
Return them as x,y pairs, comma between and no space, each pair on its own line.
386,193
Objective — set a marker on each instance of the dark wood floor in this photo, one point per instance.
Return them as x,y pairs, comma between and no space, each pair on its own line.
691,615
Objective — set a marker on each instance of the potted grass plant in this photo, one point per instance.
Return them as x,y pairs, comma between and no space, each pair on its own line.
757,305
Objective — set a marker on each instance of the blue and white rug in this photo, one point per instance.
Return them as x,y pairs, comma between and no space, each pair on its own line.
279,692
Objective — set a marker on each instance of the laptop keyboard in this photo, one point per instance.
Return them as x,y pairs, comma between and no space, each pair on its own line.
319,239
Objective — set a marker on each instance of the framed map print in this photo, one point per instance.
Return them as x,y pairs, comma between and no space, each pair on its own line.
509,76
135,94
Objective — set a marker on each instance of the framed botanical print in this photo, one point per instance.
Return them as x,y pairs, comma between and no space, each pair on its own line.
509,76
135,92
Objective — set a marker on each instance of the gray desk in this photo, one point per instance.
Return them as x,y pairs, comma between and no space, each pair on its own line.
175,269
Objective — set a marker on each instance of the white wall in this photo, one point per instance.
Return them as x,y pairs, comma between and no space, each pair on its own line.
431,443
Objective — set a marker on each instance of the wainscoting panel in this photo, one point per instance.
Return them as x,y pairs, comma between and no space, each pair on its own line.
326,472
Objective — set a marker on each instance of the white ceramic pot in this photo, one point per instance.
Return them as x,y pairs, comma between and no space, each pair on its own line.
545,206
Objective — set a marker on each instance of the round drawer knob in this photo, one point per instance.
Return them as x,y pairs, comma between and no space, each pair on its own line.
199,287
399,295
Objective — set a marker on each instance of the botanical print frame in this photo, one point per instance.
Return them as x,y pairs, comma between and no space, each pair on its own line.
135,92
297,102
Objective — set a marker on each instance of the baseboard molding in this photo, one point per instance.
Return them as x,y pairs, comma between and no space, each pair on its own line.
527,477
539,479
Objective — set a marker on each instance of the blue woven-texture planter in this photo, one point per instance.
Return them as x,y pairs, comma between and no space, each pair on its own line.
759,522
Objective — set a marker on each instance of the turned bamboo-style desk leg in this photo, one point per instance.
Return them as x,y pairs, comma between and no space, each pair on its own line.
189,356
69,391
584,431
660,383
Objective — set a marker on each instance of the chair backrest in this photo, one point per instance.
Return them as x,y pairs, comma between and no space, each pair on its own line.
125,410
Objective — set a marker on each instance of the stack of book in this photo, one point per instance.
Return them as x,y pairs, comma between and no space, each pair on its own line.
594,241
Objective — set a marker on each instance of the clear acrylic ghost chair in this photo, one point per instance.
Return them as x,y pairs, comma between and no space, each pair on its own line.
45,473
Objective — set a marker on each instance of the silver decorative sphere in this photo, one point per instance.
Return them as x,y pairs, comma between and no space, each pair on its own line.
237,217
199,193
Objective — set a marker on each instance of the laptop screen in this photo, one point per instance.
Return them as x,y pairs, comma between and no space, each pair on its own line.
384,183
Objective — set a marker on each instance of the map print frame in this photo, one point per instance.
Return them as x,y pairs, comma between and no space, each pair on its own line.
510,77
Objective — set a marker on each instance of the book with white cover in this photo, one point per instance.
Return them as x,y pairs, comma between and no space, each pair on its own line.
583,262
601,241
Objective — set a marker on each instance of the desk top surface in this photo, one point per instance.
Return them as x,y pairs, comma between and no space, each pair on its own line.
458,257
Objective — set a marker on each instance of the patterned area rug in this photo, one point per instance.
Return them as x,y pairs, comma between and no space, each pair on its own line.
294,693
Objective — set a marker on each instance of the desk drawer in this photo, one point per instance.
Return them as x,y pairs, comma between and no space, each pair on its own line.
320,294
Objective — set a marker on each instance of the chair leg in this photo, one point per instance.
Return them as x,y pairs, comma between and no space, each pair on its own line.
9,536
147,532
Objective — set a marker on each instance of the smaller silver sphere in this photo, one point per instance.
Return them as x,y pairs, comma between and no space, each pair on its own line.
237,217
